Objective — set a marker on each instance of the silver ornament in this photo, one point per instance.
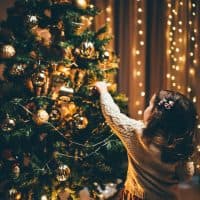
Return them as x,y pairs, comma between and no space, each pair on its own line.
63,173
7,51
39,79
8,124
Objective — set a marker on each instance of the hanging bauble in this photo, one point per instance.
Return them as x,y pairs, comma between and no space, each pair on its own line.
8,124
14,194
42,35
54,115
106,55
87,50
67,53
41,117
63,70
7,51
80,121
32,20
17,69
16,170
44,197
62,173
81,4
39,78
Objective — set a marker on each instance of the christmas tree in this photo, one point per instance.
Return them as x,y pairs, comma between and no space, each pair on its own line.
53,138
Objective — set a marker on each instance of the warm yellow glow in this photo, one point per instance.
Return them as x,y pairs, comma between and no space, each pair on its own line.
195,61
194,5
175,59
108,9
137,52
190,22
169,5
180,22
193,38
179,87
192,71
172,47
194,99
140,84
191,54
177,68
168,75
139,62
140,112
174,84
195,30
139,9
142,94
170,16
180,40
170,33
137,103
170,39
174,43
139,21
140,32
177,49
142,43
198,128
169,51
169,22
108,19
180,30
173,78
181,58
189,89
173,28
193,13
196,46
138,73
181,3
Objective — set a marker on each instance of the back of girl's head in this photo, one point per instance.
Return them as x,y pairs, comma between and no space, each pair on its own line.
173,119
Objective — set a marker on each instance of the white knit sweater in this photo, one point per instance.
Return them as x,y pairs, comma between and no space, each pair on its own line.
147,176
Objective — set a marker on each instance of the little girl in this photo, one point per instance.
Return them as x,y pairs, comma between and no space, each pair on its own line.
158,147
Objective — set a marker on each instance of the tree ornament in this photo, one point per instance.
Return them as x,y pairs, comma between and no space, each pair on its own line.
44,197
32,20
7,51
67,53
106,55
42,35
54,115
39,78
14,194
83,25
87,50
63,173
8,124
63,70
17,69
41,117
80,4
80,121
16,170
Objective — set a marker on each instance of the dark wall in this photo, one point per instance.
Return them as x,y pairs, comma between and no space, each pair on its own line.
4,4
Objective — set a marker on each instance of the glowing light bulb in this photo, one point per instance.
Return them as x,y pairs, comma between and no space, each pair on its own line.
194,99
137,103
177,49
138,73
193,5
137,52
190,22
140,112
108,9
139,62
142,43
198,128
173,78
193,38
140,10
174,84
193,13
170,33
168,75
180,30
173,28
140,84
180,40
169,5
179,87
189,89
192,71
180,22
191,54
169,22
139,21
195,30
177,68
195,61
140,32
142,94
170,16
174,43
181,3
108,19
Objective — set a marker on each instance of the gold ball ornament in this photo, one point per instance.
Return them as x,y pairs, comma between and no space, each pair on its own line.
17,69
80,4
63,173
87,50
39,78
8,124
80,121
14,194
7,51
41,117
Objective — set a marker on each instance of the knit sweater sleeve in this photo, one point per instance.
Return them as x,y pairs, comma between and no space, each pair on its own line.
123,126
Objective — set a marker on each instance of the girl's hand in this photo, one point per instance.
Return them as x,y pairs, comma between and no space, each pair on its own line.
101,86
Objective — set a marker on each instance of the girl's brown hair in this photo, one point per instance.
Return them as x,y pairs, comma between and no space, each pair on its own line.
172,126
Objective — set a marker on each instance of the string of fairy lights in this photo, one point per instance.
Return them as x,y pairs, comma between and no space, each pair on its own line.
182,44
139,57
